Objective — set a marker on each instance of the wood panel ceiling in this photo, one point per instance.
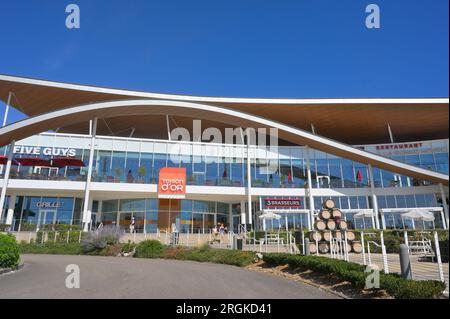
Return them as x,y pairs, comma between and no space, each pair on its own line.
351,123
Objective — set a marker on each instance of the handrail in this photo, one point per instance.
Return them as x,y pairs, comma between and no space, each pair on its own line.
293,249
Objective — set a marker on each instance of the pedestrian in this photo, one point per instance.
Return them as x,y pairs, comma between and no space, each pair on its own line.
130,178
132,225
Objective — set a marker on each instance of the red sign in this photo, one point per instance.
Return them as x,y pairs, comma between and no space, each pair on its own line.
172,183
280,203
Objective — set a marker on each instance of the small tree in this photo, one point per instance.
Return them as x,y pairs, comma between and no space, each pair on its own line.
118,172
142,171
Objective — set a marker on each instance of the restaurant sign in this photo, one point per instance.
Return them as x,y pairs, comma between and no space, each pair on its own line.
281,203
46,151
172,183
49,204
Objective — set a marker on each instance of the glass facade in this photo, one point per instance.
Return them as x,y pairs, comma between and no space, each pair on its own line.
138,161
119,160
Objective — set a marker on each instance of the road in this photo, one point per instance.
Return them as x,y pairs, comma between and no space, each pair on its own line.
44,276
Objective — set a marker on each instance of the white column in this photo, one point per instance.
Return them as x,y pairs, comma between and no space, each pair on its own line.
5,116
383,220
309,190
444,203
374,198
11,206
86,210
230,217
99,211
6,178
243,219
249,183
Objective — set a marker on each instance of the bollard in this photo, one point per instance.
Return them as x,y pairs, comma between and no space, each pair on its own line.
405,263
306,247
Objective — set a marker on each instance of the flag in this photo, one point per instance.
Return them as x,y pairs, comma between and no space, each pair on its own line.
359,176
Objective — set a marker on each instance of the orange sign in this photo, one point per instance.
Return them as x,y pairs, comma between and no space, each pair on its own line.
172,183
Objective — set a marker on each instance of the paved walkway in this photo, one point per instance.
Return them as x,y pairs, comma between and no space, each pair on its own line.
44,276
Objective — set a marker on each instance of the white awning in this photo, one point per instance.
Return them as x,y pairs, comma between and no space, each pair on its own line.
362,214
269,215
419,214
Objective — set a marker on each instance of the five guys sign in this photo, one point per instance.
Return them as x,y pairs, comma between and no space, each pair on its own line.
279,203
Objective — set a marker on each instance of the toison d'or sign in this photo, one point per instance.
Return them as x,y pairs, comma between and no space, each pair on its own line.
172,183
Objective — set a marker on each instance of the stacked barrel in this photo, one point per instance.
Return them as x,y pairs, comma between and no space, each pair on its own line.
328,226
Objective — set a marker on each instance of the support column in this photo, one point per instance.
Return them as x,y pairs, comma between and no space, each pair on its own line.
11,206
383,220
86,209
309,190
243,214
391,136
230,217
5,116
249,183
374,198
6,178
444,203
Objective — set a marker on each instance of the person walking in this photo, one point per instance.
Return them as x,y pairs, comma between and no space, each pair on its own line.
132,225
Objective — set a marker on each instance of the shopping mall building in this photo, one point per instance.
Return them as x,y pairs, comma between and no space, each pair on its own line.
89,155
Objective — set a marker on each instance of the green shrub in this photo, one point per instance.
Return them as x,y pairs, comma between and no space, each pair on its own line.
110,250
354,273
4,227
149,249
25,226
207,254
51,248
99,240
411,289
9,251
128,247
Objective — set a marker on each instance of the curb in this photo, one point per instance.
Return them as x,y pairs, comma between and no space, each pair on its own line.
4,271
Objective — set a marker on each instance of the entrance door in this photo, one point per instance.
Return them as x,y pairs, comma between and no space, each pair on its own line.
46,217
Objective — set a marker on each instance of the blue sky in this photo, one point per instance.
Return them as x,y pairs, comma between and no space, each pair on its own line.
248,48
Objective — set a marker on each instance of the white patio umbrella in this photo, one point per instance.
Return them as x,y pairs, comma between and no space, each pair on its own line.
420,214
268,216
364,214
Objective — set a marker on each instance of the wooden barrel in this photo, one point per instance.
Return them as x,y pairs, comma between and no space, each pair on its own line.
339,247
356,247
331,224
312,248
328,204
324,214
349,247
350,236
315,236
320,225
336,213
324,247
327,236
343,225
